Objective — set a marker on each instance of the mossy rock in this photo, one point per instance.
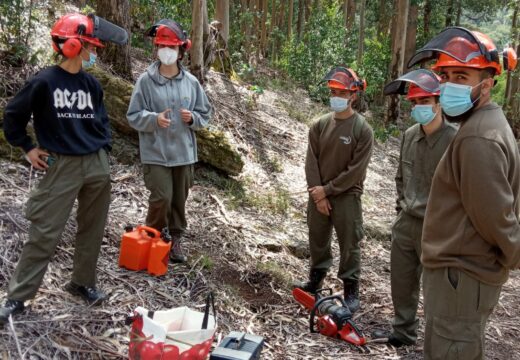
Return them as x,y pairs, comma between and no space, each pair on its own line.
213,146
9,152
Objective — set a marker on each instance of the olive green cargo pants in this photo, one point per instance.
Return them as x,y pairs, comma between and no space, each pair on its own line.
347,219
86,178
457,307
169,188
406,270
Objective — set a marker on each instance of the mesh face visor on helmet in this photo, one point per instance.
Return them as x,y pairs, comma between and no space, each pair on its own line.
170,24
345,77
424,79
456,42
106,31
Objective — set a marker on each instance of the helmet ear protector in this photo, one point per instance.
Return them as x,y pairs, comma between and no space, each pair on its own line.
509,59
71,47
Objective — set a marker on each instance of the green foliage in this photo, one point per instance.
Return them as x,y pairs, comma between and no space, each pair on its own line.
16,25
275,270
375,65
147,12
325,44
499,90
206,262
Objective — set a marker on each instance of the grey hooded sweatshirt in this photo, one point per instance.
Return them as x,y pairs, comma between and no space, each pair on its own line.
153,93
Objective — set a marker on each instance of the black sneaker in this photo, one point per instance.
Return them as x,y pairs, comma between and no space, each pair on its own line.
91,295
11,307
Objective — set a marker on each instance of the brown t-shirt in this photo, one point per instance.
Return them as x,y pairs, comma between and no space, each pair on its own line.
336,159
471,220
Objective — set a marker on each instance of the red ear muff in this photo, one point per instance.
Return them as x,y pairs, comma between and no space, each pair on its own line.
187,44
509,59
71,48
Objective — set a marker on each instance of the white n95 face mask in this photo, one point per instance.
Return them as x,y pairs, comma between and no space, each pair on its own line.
167,55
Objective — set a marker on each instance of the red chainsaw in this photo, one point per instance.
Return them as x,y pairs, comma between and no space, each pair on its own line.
330,316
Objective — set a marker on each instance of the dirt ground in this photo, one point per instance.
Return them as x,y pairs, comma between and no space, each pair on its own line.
246,242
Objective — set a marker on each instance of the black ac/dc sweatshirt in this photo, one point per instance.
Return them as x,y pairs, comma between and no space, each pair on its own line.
69,116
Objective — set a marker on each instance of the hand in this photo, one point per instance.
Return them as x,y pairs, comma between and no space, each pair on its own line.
317,193
36,156
186,116
162,119
324,207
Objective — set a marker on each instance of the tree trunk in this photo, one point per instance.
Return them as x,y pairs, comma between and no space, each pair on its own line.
196,51
427,18
512,93
459,12
399,25
411,32
222,15
349,10
117,56
301,19
258,28
361,43
246,27
449,13
280,26
382,26
514,35
307,10
290,19
205,22
263,35
272,26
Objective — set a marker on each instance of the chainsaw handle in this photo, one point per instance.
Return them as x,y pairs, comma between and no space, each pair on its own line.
153,233
316,306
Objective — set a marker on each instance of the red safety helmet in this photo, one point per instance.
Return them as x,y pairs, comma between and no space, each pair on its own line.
170,33
457,46
344,79
422,83
68,32
71,30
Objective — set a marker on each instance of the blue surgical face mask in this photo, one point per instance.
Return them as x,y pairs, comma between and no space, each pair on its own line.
423,114
338,104
91,60
456,99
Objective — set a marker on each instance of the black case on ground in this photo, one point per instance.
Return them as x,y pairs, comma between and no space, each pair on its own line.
238,346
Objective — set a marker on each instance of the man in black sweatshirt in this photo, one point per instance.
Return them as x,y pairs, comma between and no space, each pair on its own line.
73,134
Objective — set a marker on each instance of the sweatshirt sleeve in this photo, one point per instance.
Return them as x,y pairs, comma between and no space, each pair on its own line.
138,115
355,171
18,114
202,110
312,168
484,171
399,177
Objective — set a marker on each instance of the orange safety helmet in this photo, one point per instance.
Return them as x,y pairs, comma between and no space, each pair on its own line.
170,33
457,46
463,48
344,79
422,83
